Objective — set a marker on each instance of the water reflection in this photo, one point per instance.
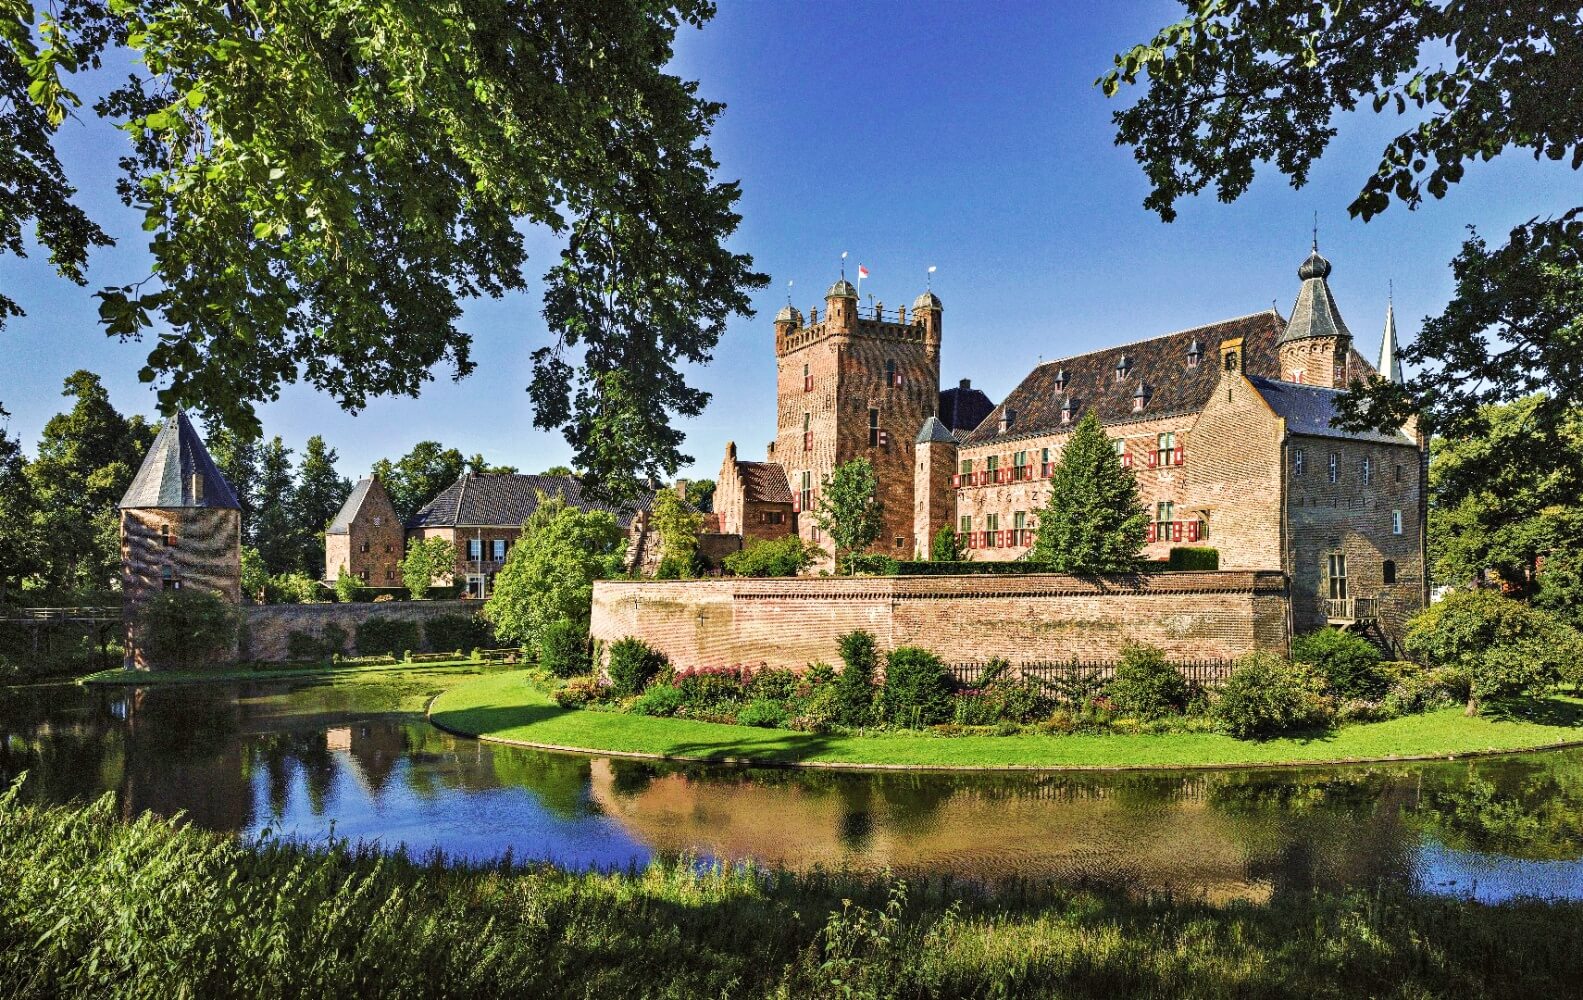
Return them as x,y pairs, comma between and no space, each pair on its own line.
305,760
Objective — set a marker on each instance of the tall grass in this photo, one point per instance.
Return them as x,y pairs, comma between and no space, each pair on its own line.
92,906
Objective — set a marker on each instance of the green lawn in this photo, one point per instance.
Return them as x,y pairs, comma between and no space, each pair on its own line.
506,707
150,678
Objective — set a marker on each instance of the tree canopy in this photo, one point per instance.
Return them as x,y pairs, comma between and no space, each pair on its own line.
418,476
549,574
849,508
1094,521
324,187
1238,84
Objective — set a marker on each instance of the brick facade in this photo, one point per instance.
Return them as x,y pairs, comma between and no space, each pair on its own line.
176,548
366,537
793,622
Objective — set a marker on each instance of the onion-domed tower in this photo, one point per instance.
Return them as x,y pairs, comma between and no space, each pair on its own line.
1316,343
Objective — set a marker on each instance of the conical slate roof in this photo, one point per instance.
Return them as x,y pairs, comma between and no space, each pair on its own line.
178,472
1315,314
1390,366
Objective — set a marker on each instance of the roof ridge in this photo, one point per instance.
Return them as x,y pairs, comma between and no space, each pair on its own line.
461,495
1161,336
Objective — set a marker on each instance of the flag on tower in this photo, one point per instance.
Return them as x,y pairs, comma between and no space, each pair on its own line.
862,272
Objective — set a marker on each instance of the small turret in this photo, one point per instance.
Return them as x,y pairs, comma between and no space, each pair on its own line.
841,307
1314,345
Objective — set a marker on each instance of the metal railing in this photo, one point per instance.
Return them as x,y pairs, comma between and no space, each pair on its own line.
1060,676
84,614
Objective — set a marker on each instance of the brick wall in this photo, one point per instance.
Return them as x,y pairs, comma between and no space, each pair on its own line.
934,501
269,626
1233,476
792,622
205,553
370,551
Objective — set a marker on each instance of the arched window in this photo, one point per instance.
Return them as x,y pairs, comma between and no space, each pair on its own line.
1390,571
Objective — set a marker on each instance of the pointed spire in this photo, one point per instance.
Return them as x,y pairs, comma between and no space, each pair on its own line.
1315,313
178,472
1390,365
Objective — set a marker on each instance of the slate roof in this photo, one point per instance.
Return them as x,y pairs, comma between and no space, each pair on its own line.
1308,410
764,482
1315,314
165,479
1170,385
964,408
934,431
506,500
343,518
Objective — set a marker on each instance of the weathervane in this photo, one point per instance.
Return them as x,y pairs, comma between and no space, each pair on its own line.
843,265
929,279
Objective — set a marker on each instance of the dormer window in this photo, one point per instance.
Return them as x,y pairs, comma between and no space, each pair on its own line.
1066,411
1195,354
1139,397
1060,380
1123,366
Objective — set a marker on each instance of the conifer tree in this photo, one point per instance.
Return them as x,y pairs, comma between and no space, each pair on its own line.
274,529
237,456
319,495
1094,521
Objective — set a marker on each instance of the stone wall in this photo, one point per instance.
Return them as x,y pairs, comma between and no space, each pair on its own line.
269,626
791,622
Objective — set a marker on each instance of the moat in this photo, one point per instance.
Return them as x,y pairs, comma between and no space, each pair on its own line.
308,760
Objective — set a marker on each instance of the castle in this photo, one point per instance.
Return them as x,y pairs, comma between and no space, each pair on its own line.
1226,426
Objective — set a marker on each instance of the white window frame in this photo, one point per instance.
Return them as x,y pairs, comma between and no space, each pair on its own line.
1396,522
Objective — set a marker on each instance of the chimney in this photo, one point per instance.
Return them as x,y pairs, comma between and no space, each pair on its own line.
681,488
965,384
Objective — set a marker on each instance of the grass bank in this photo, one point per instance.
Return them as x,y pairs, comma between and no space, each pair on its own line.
97,907
259,672
506,708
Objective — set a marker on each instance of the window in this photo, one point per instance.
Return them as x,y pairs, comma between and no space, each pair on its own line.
1396,522
388,550
1060,380
1066,411
892,377
873,427
1338,576
1390,571
390,574
378,520
1203,528
900,541
807,379
1335,466
1367,470
363,547
1398,473
992,522
964,524
1019,461
807,491
967,466
992,463
1297,376
1019,520
1298,462
167,537
775,517
807,431
1195,354
167,579
1164,514
362,574
1123,363
498,549
475,549
1165,448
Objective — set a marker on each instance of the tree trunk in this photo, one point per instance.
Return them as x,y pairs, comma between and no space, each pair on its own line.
1473,706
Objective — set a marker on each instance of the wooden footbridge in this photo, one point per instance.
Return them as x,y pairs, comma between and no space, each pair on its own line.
40,620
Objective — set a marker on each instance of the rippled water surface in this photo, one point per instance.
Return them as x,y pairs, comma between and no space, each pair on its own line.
358,760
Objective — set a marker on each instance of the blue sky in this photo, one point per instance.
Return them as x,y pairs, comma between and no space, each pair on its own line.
966,136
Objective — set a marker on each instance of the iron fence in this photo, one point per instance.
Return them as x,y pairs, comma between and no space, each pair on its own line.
1074,678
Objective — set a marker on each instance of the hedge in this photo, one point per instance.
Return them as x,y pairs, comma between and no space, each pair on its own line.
1188,557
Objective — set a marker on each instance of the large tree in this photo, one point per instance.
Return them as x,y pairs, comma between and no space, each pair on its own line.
86,459
418,476
549,574
318,497
18,540
1241,83
274,528
324,185
1094,521
850,510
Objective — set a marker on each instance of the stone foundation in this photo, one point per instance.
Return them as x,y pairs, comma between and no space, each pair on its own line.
268,626
792,622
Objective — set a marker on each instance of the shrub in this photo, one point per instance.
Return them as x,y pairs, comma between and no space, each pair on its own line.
1412,689
975,708
577,692
446,633
917,689
945,546
1349,663
712,691
854,697
782,557
863,564
1146,686
633,663
302,646
1266,695
332,639
293,588
387,636
185,628
426,560
657,699
1190,557
762,712
563,648
348,588
1506,647
775,684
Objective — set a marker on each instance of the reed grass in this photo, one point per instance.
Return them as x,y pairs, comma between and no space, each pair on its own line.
94,906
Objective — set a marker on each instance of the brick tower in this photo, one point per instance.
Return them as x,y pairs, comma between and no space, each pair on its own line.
180,527
1316,344
855,384
934,499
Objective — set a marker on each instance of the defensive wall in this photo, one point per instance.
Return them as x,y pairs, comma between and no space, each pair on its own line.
794,621
268,627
